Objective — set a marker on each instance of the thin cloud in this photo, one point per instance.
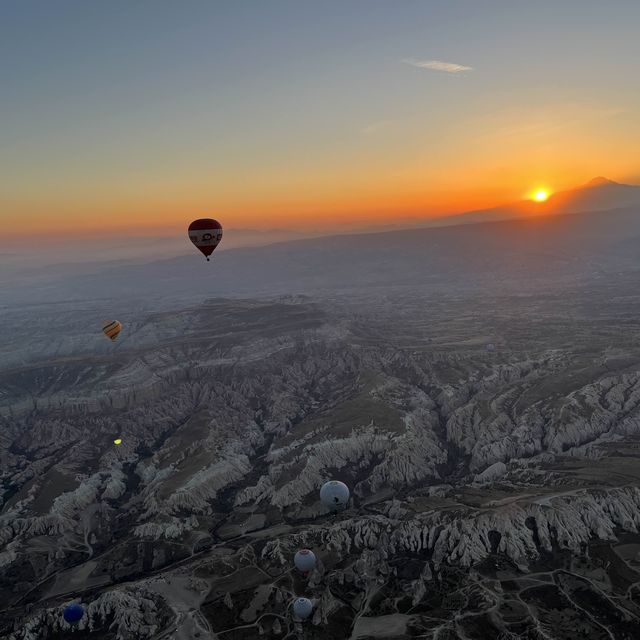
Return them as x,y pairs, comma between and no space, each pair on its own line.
380,126
438,65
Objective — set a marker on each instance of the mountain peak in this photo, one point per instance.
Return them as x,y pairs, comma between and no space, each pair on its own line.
598,182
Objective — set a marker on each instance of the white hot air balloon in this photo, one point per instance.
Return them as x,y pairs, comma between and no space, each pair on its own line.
334,494
302,608
305,560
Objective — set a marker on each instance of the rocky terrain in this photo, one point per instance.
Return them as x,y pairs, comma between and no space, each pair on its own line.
478,389
494,490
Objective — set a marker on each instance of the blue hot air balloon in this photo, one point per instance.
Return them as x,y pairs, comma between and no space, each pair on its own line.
73,613
302,608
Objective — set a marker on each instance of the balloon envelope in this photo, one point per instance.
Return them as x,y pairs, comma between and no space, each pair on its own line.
302,608
111,329
305,560
334,494
73,613
206,234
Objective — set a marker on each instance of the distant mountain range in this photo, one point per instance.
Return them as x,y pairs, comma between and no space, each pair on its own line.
506,247
599,194
19,258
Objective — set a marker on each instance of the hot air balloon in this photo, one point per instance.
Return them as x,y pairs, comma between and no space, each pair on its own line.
73,613
111,329
305,560
205,233
302,608
334,494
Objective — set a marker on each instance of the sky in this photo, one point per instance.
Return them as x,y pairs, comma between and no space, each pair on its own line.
137,117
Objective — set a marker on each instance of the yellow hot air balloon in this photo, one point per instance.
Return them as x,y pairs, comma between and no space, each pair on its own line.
117,441
111,329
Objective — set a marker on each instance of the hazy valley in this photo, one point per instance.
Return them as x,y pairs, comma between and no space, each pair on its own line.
483,405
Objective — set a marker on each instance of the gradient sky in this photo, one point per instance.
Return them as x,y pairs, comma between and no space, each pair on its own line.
122,114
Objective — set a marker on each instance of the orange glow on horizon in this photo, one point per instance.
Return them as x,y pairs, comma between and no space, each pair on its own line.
317,205
338,210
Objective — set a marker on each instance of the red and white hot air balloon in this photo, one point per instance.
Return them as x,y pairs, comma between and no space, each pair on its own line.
206,234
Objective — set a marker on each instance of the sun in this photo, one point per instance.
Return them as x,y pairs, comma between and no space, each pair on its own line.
541,195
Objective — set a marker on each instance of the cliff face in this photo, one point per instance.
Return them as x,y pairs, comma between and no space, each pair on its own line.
233,416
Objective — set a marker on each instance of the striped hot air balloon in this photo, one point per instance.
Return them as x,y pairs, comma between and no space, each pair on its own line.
111,329
206,234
